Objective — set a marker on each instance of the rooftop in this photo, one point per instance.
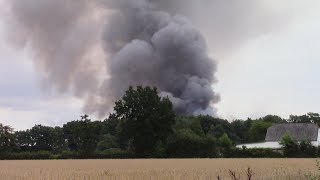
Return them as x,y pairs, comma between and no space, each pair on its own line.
298,131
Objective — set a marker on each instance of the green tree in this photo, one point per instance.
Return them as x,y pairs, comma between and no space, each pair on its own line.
24,140
289,146
82,135
107,142
258,130
41,138
217,127
307,118
272,119
145,118
7,139
225,142
189,122
307,149
185,143
110,126
241,129
46,138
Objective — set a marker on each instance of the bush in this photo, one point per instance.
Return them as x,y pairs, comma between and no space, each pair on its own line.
41,155
187,144
289,146
307,150
252,153
69,155
28,155
114,153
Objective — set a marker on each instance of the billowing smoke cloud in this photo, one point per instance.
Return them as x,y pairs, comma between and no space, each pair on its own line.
144,41
62,36
149,46
95,49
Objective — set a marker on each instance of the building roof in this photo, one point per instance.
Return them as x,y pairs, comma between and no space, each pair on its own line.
298,131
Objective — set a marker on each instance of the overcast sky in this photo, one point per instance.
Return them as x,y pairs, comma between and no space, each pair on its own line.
271,72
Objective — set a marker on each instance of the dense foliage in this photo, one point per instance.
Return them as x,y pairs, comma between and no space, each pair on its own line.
143,124
145,120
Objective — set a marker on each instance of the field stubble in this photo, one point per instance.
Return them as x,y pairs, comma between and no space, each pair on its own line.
158,169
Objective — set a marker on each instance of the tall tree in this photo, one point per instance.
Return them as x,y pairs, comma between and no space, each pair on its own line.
273,119
7,140
258,130
41,138
241,129
24,140
307,118
145,118
82,135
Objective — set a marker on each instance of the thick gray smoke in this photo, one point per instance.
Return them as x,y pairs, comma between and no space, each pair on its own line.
145,42
95,49
149,46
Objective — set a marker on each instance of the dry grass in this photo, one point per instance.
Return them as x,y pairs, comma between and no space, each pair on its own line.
159,169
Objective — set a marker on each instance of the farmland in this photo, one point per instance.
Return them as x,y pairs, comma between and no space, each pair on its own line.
159,169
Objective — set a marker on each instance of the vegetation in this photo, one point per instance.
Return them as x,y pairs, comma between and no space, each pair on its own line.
180,169
292,148
145,120
144,125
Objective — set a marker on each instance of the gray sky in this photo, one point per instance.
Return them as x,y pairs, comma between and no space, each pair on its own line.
272,67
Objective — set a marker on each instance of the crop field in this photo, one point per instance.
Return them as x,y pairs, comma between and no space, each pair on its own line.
160,169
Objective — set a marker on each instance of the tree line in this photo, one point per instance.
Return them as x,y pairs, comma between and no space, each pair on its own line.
144,125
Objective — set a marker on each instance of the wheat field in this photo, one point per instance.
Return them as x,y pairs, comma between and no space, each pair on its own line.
159,169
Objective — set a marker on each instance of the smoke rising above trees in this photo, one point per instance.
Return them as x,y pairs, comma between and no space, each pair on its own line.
142,43
96,49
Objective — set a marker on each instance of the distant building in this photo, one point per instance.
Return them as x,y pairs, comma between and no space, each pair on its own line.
298,131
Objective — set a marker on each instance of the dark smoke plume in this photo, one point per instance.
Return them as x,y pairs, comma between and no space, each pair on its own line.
145,42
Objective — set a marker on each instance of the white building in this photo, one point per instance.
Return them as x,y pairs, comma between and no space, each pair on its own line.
298,131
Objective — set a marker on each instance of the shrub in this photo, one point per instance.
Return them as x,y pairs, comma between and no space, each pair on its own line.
114,153
27,155
187,144
252,153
